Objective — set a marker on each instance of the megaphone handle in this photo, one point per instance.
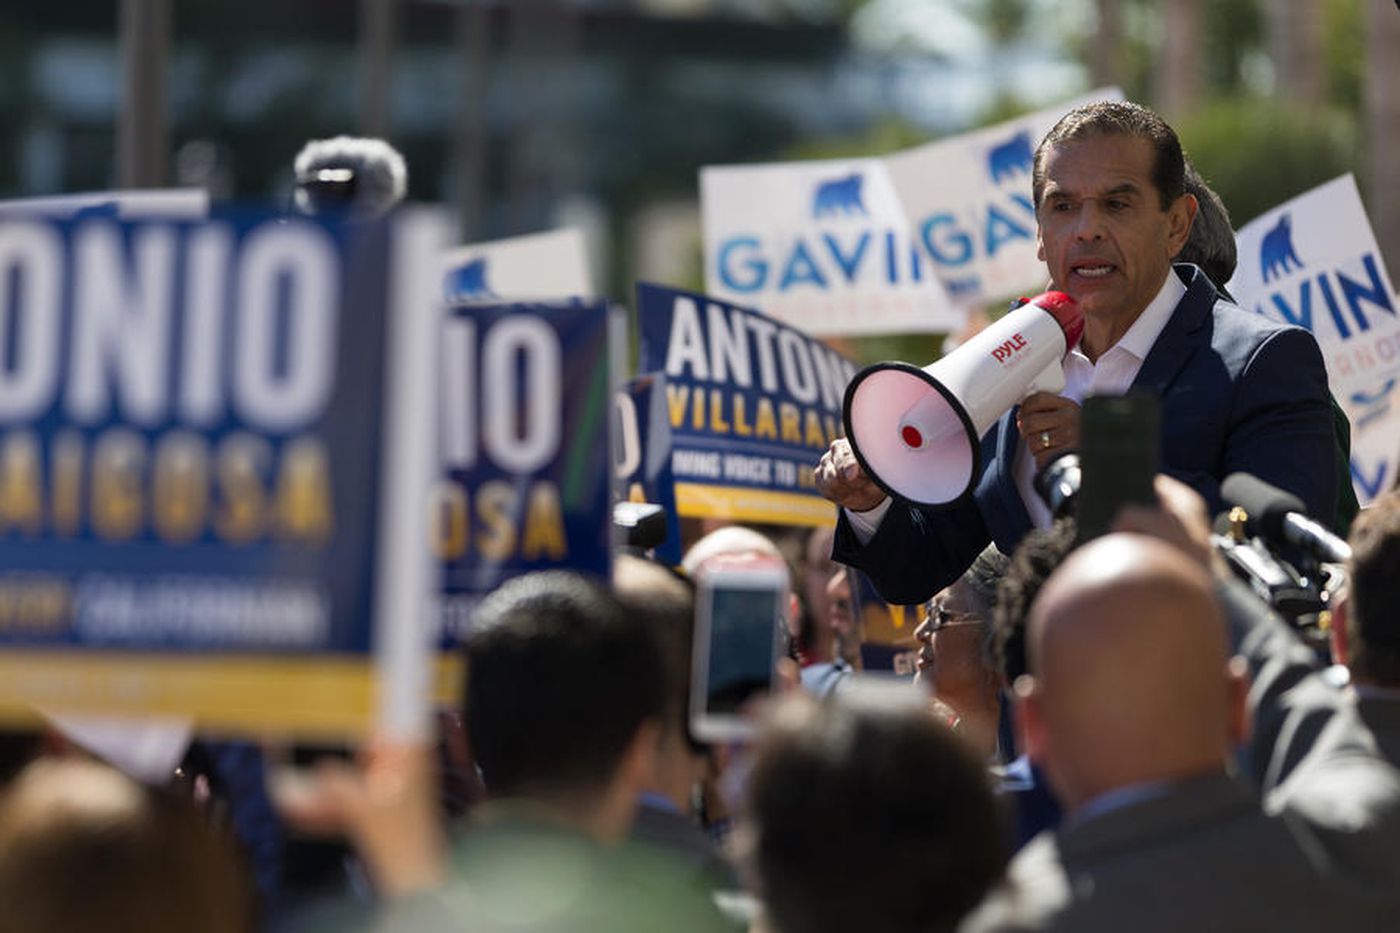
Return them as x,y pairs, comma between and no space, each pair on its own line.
1051,379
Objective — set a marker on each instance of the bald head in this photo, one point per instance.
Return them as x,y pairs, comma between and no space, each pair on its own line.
729,541
1131,674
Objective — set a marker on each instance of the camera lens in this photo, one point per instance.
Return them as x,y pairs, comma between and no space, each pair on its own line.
1058,484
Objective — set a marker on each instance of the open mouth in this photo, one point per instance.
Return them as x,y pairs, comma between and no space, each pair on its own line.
1092,270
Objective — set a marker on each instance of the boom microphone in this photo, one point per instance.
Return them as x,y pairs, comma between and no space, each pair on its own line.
1276,515
917,432
366,177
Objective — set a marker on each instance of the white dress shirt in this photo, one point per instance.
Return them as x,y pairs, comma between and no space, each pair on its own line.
1112,374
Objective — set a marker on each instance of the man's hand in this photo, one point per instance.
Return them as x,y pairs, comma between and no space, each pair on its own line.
387,804
840,479
1179,518
1050,426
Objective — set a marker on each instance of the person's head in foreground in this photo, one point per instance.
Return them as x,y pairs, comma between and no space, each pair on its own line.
565,690
1373,610
864,812
85,848
1131,676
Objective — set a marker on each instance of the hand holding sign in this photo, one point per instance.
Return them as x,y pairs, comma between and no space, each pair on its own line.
387,804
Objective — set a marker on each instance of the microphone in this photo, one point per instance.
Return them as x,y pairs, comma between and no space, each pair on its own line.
1280,516
366,177
918,432
1271,580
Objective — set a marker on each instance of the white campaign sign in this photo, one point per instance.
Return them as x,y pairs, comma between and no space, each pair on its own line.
821,245
1313,261
968,203
537,267
172,203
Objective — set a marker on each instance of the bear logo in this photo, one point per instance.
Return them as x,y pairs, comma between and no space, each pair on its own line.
840,196
1011,158
469,282
1276,254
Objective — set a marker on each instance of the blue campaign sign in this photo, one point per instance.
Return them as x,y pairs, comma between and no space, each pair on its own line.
524,445
752,404
642,455
192,425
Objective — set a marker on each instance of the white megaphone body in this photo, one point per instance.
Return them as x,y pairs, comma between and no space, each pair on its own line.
917,432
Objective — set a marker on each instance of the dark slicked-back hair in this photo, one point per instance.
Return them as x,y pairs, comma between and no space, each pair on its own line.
1036,557
868,815
665,601
1211,244
1117,118
559,678
1373,619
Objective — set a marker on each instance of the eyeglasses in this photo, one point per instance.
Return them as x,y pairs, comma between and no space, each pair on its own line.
940,618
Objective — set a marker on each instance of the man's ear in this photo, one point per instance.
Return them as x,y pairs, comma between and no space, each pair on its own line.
1030,724
1180,216
1339,637
637,770
611,814
1237,683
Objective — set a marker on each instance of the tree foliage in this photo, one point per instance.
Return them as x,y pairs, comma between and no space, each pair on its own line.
1257,153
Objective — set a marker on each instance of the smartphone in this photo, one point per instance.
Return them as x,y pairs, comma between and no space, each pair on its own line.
1119,454
739,620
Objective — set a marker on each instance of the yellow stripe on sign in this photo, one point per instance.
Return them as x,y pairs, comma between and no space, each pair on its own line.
447,683
694,500
330,697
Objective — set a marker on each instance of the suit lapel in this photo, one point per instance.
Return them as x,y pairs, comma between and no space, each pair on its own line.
1178,340
1018,520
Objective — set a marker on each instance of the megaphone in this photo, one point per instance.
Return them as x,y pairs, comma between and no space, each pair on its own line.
917,432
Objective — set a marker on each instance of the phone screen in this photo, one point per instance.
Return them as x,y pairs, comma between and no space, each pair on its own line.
742,640
1118,458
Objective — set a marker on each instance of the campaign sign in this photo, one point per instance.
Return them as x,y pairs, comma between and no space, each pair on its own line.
538,267
752,404
131,204
524,448
211,503
821,245
1313,261
642,454
969,205
886,630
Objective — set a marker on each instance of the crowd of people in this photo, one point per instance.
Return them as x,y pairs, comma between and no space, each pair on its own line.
1104,734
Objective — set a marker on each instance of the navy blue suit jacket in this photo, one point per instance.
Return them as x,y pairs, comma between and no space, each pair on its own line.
1238,393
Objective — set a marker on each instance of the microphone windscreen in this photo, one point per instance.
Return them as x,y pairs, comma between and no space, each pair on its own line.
377,172
1265,503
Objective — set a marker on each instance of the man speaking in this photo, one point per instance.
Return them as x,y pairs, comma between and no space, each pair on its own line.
1238,392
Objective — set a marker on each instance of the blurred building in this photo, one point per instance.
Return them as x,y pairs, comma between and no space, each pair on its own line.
513,110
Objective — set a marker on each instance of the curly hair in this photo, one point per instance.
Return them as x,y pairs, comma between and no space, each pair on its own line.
1039,553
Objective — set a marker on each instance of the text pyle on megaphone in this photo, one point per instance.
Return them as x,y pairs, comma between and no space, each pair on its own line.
917,432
